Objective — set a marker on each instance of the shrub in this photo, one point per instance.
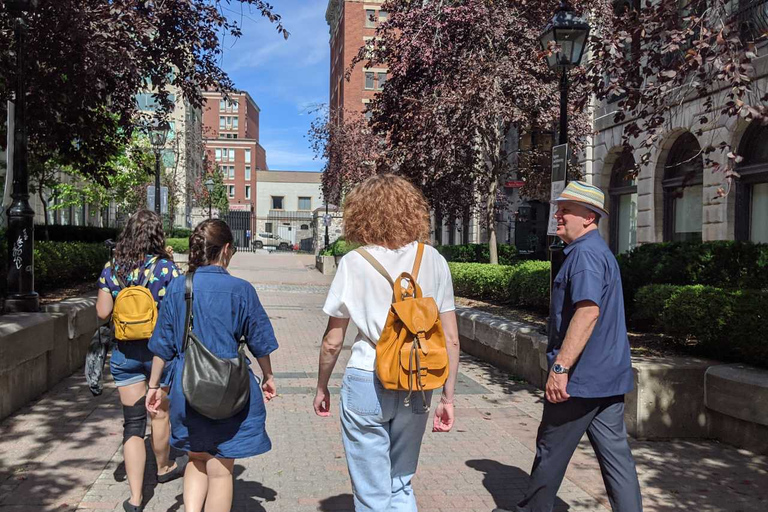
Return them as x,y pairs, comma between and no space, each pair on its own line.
339,247
726,324
178,233
649,305
88,234
59,264
525,284
478,253
180,245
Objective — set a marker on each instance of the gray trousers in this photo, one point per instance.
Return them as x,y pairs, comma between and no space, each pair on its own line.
562,427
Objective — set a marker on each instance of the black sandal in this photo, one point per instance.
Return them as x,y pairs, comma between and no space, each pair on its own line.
177,472
128,507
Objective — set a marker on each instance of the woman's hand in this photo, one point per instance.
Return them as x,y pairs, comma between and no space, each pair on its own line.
322,403
444,417
269,389
154,399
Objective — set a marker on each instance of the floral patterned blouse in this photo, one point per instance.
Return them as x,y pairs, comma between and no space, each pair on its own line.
165,271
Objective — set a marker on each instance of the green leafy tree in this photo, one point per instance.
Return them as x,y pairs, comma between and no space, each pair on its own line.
219,194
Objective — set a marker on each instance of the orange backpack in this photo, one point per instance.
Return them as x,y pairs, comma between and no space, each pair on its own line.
411,352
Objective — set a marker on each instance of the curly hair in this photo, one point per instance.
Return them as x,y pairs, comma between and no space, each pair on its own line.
386,210
142,235
207,241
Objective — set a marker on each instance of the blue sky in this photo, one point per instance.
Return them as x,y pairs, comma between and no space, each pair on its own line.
286,78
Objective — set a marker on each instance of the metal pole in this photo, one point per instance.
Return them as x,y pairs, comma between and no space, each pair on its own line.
210,205
157,182
21,228
327,239
556,254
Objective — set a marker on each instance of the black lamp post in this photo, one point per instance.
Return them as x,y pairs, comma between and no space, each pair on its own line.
21,217
209,184
158,134
564,39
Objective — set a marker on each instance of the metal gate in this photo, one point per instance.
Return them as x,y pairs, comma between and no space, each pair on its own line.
240,224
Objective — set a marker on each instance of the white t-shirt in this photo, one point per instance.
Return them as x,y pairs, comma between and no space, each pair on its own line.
360,293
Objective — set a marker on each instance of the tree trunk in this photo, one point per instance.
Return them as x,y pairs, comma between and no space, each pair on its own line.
491,221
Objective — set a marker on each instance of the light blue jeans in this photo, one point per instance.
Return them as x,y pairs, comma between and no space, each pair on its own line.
382,440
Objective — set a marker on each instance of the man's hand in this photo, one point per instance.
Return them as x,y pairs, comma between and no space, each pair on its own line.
322,402
555,389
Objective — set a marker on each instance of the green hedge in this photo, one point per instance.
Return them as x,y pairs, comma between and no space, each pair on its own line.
180,245
339,247
86,234
726,324
724,264
59,264
478,253
179,233
525,284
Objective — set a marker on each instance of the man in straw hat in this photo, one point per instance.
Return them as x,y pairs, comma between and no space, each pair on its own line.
588,354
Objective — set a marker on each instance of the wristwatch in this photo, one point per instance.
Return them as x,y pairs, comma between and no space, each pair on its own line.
560,369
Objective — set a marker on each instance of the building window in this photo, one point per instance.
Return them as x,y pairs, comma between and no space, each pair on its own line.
247,173
268,227
752,186
231,172
623,194
222,105
277,202
305,226
234,123
222,123
683,188
368,114
369,82
218,154
248,156
370,18
247,191
305,203
231,191
383,16
381,77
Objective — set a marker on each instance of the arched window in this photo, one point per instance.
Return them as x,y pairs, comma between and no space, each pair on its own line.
623,193
752,186
683,187
305,226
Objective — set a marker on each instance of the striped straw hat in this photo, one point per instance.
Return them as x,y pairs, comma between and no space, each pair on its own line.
586,194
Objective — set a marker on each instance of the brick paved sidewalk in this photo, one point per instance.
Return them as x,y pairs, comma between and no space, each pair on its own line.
62,453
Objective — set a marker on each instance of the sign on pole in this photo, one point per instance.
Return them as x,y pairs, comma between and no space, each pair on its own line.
559,167
327,219
163,199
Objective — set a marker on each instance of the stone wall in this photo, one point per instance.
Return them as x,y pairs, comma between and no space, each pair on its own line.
37,350
674,397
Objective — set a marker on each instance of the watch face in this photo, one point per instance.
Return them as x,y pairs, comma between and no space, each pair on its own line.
558,369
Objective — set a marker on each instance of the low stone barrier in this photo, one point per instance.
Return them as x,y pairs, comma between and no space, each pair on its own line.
37,350
325,264
674,397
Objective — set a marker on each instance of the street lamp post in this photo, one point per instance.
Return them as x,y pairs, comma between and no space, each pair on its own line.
209,184
21,295
158,134
564,39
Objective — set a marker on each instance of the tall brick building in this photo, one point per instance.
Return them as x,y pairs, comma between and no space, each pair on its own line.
352,23
231,136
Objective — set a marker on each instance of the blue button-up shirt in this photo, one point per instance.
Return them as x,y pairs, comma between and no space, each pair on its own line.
591,273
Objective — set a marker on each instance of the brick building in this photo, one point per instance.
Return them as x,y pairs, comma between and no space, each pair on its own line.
352,23
231,136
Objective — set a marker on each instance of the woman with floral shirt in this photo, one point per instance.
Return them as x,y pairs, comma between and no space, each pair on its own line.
140,259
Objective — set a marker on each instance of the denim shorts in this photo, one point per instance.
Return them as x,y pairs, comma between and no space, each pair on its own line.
131,362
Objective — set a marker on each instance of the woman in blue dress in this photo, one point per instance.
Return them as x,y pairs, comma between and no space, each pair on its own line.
226,309
140,260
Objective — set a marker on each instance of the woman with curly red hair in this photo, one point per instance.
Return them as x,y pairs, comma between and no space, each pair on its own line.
389,217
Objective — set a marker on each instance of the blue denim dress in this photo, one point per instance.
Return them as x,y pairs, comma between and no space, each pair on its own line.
225,308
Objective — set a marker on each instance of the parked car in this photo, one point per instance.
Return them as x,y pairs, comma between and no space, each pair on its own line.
271,240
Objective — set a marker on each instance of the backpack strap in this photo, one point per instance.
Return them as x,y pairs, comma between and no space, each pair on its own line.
375,264
417,262
142,281
188,295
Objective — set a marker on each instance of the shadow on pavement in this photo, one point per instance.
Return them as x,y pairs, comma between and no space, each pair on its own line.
339,503
506,484
247,495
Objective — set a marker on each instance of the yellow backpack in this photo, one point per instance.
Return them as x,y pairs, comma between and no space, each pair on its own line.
411,353
135,312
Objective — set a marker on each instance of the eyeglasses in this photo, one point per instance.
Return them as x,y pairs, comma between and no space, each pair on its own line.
234,250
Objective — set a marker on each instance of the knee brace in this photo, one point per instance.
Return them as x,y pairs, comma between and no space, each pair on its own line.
135,420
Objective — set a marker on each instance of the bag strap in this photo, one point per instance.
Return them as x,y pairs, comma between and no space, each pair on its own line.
375,264
188,295
144,283
417,262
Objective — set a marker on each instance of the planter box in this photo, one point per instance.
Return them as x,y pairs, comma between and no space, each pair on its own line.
325,264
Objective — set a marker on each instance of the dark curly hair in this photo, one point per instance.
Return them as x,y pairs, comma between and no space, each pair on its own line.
207,241
142,235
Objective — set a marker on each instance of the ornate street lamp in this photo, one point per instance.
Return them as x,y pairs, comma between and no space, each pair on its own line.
209,184
158,134
564,40
21,217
